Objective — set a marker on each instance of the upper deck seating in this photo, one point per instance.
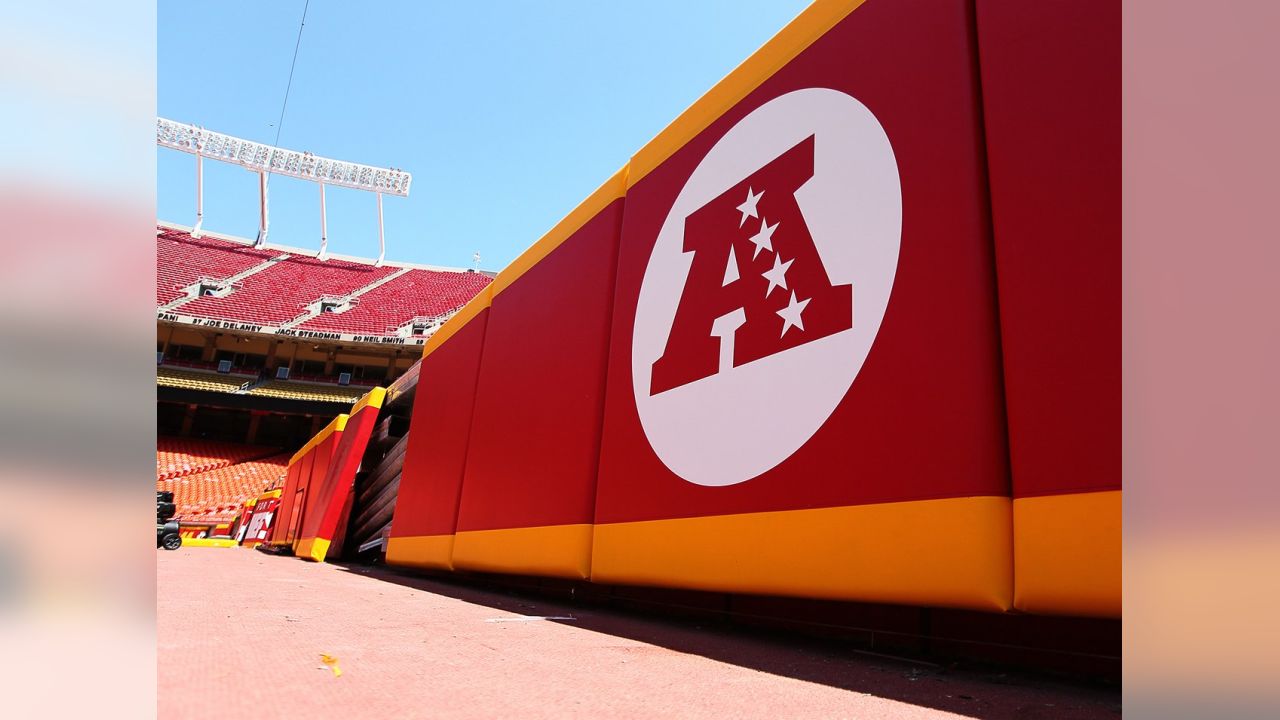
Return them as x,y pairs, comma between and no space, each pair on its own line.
281,293
417,293
182,260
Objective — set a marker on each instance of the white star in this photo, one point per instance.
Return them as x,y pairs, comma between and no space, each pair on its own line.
764,238
791,314
748,208
777,277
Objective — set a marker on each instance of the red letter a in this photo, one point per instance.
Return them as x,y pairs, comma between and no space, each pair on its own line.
757,285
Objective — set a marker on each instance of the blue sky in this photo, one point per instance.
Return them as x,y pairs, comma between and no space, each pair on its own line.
508,114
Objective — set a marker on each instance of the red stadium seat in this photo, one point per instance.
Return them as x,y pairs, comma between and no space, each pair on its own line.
181,457
417,293
282,291
219,493
182,260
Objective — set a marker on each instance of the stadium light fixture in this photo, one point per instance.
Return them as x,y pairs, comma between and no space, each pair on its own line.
267,160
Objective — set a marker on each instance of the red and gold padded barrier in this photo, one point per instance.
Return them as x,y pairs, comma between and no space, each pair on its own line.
257,526
495,484
528,493
330,491
902,495
307,466
426,515
529,454
242,519
1051,100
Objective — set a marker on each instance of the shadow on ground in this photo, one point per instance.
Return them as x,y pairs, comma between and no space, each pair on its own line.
837,660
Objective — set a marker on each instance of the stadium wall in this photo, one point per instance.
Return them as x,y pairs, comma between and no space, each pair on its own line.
307,468
310,513
618,406
329,492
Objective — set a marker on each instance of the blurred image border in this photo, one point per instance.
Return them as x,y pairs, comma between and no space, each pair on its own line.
77,439
1201,345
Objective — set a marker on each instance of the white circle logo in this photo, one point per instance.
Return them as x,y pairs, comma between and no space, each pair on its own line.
766,287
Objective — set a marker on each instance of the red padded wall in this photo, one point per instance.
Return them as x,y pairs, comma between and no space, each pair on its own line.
532,451
294,501
1051,91
535,439
313,501
259,525
924,418
284,514
331,490
431,480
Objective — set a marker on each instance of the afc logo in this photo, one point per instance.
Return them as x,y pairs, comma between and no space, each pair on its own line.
740,301
746,337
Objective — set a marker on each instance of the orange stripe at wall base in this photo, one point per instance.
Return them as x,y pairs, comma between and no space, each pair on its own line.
551,551
208,542
948,553
1067,554
313,549
432,552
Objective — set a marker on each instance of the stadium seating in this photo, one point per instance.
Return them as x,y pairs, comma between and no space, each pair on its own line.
178,456
196,380
182,260
217,495
303,391
417,293
280,293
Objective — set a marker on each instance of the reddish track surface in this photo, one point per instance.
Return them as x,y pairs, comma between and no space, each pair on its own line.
241,634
